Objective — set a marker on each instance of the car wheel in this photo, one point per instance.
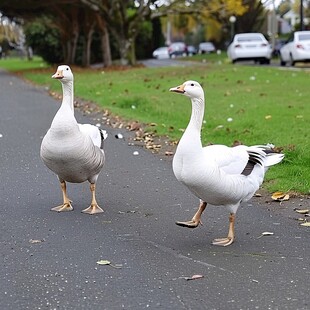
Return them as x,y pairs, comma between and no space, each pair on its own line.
267,61
292,62
282,62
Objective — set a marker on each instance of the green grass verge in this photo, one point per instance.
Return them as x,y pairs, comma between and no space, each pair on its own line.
266,105
21,63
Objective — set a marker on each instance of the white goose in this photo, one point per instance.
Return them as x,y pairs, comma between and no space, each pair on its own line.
74,152
218,175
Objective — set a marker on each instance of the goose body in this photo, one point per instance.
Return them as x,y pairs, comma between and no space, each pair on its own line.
218,175
74,152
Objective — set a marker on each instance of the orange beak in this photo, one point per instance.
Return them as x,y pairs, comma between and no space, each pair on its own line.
178,89
58,75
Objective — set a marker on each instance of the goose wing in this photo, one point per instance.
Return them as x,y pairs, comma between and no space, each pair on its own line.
96,134
231,160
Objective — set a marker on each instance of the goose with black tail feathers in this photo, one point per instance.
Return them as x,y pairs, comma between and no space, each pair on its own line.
218,175
74,152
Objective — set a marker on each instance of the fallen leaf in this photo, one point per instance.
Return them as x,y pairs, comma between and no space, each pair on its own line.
35,241
302,211
266,233
300,219
280,196
107,262
103,262
307,224
268,117
194,277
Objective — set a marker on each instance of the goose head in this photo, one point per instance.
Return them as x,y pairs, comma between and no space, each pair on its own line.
63,73
191,89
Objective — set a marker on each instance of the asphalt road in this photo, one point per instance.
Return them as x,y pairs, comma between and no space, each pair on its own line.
48,259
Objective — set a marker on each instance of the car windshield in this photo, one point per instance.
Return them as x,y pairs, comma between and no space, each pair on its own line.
250,39
304,37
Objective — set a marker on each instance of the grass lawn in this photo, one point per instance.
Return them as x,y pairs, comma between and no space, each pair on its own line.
253,105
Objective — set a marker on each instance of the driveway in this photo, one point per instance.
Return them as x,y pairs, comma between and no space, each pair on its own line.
49,260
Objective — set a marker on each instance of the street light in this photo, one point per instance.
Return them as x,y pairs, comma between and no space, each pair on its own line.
232,20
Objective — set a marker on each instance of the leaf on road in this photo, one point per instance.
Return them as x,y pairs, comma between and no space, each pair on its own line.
103,262
280,196
107,262
266,233
194,277
35,241
302,211
307,224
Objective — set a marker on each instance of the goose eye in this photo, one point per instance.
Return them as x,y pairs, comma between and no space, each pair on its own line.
192,84
67,69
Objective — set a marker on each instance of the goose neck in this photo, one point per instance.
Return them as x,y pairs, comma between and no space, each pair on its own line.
197,114
67,100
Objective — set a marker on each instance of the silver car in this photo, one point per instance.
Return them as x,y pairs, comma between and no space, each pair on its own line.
250,46
297,49
206,47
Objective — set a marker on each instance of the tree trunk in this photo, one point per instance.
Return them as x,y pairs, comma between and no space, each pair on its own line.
87,46
105,41
126,51
106,51
74,44
132,55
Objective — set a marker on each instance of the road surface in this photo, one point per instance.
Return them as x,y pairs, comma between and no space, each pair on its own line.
49,260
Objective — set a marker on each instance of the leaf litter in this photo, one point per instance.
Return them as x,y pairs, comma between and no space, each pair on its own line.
305,213
33,241
266,233
107,262
194,277
280,196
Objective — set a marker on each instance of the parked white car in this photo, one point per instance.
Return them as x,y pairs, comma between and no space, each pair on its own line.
250,46
206,48
297,49
161,52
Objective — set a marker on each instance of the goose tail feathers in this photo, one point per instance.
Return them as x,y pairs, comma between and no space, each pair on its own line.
265,155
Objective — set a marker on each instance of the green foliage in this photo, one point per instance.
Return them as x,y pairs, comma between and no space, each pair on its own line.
44,39
263,104
157,36
144,41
